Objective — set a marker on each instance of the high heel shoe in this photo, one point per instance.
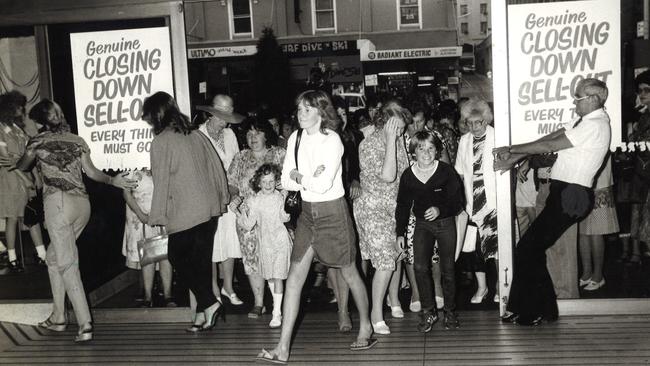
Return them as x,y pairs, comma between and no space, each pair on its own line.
478,298
211,320
84,335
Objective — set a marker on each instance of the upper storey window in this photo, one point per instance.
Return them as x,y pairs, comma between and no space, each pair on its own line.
409,13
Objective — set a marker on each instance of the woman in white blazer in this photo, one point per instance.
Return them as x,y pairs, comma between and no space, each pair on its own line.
474,164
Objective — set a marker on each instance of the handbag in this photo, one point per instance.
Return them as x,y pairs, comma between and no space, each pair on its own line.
154,249
293,202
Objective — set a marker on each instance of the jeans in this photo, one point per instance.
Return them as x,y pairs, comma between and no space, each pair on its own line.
424,238
66,216
190,253
532,293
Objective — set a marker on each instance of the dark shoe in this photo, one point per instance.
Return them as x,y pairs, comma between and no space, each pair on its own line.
146,304
55,327
451,320
211,319
196,326
256,312
16,267
38,261
529,322
428,320
170,303
509,317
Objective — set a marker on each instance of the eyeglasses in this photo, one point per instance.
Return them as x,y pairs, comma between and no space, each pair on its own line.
577,98
644,90
474,123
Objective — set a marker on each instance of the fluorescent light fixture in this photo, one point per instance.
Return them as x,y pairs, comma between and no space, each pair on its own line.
396,73
425,84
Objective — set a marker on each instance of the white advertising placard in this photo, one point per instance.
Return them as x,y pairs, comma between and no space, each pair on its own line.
551,47
114,71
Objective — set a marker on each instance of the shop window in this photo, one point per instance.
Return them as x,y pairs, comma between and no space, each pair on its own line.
324,15
484,28
483,8
464,10
409,13
242,18
464,28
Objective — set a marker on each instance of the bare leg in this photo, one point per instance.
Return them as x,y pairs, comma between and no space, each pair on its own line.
37,238
10,232
584,244
379,285
364,267
410,274
482,285
148,273
166,277
395,282
297,275
597,257
257,285
342,293
215,280
360,296
227,268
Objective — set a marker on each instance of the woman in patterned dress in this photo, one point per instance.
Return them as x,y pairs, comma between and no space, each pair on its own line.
382,159
262,149
474,164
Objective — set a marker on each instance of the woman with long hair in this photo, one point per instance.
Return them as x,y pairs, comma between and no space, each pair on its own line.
190,192
324,229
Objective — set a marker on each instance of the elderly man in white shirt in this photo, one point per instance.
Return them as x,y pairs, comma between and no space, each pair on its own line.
581,149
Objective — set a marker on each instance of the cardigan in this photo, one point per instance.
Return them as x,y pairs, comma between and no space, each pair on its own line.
190,184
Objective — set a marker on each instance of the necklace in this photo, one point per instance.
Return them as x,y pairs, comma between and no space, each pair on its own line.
426,170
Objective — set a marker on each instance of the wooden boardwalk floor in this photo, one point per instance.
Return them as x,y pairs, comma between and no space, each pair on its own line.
481,340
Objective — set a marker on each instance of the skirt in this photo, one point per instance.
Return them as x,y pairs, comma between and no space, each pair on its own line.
226,241
602,220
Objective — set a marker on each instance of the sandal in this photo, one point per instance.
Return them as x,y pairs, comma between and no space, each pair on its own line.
257,312
55,327
363,345
84,335
266,356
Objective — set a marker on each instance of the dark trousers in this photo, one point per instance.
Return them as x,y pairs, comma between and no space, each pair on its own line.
532,292
424,238
190,253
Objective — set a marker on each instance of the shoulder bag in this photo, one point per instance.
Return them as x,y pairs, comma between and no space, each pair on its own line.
293,202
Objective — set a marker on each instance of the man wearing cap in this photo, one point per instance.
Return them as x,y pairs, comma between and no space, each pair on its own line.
226,243
581,148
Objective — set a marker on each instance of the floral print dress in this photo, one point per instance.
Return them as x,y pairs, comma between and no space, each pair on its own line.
374,210
240,172
13,189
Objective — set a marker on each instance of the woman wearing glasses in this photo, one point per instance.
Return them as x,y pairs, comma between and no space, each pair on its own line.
474,164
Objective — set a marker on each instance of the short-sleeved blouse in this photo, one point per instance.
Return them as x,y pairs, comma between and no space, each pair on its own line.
59,162
244,165
13,191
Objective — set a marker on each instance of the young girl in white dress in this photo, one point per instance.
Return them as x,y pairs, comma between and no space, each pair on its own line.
266,210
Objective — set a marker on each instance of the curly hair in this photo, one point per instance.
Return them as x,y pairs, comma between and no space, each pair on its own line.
475,107
263,170
262,125
40,114
163,112
642,78
392,108
320,100
11,102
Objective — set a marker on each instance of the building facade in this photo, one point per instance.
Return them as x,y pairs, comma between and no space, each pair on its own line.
474,22
397,45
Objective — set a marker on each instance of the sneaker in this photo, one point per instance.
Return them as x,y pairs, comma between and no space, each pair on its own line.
397,312
16,267
451,320
427,321
415,307
276,322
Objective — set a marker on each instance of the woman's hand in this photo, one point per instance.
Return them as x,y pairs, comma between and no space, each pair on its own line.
234,204
355,189
319,170
431,213
399,244
7,161
121,181
295,175
390,130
